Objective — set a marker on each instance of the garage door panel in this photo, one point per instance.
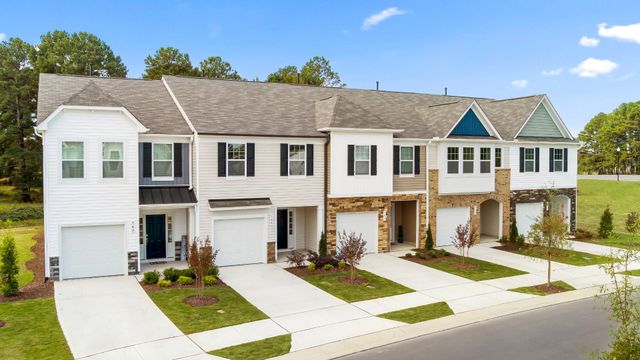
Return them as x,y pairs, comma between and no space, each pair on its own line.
240,241
447,220
526,215
90,251
365,223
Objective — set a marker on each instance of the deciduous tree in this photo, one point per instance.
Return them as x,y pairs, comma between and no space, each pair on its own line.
351,250
549,233
201,258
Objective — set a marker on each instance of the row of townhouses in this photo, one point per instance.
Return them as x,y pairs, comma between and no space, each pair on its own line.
133,169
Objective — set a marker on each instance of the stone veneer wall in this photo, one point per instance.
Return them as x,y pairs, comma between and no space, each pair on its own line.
501,195
54,268
541,195
271,252
132,262
373,203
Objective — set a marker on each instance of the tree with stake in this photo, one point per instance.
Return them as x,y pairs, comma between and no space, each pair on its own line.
9,267
461,239
549,232
352,249
201,259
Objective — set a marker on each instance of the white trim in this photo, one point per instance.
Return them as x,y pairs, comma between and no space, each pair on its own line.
484,120
554,116
413,161
226,156
112,179
153,160
333,129
144,233
304,160
240,208
61,177
409,192
166,206
355,160
45,123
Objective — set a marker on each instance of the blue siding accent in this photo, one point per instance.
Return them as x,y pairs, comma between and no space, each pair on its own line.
470,125
183,180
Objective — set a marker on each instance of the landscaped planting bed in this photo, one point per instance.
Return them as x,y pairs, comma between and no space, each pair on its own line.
419,313
564,256
542,289
257,350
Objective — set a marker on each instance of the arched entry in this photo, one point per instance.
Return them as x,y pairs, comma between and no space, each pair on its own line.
561,204
490,221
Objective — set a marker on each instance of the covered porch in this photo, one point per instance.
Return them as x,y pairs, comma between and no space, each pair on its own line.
297,229
404,225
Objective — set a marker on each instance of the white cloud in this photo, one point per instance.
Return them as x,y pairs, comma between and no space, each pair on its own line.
520,84
589,42
621,32
3,36
383,15
593,67
552,72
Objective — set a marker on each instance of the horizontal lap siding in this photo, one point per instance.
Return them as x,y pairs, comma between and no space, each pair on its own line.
416,182
543,179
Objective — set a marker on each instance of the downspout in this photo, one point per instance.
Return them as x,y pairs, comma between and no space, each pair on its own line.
428,171
326,182
45,193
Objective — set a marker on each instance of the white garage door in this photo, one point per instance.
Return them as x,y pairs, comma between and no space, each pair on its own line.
240,241
365,223
89,251
526,215
447,220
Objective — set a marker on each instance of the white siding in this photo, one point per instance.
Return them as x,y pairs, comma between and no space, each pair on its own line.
91,200
543,179
465,183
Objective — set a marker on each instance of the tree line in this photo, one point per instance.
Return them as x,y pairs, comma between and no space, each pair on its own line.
82,53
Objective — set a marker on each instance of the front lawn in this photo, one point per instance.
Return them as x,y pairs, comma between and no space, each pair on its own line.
257,350
625,241
473,269
632,272
24,241
419,313
232,309
374,287
564,256
543,290
31,331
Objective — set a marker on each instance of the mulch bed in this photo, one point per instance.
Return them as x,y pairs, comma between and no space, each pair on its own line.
37,263
33,291
553,289
196,301
511,247
175,285
302,271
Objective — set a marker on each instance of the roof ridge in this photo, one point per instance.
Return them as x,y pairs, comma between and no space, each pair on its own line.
517,98
89,86
98,77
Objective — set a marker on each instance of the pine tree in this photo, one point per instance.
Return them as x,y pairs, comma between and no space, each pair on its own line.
9,267
606,224
429,243
322,246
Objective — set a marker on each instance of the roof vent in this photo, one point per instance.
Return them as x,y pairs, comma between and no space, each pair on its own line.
377,85
445,91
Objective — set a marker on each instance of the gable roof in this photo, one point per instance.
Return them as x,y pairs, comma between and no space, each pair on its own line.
509,115
338,112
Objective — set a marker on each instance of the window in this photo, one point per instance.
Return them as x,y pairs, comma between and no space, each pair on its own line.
72,159
236,159
558,160
112,160
163,161
467,160
297,160
498,158
485,160
406,160
363,160
529,160
453,159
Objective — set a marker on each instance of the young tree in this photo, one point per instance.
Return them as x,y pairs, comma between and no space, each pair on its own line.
317,71
429,243
9,266
352,249
168,61
461,238
513,231
322,245
606,224
214,67
632,223
549,232
201,258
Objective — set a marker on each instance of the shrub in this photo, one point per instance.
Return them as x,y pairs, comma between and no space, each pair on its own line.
187,272
421,255
164,283
583,234
185,280
442,252
311,267
606,224
171,274
520,241
312,257
209,280
632,223
342,264
6,224
9,266
445,253
513,231
432,253
504,240
328,267
408,255
429,242
21,213
151,277
322,246
213,271
296,258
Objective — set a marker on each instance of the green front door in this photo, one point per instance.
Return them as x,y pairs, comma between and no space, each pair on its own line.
156,237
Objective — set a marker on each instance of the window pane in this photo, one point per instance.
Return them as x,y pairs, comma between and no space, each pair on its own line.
296,168
452,167
406,167
162,168
558,165
72,150
528,166
406,153
485,167
498,158
452,153
558,154
235,152
467,153
162,151
296,152
467,167
112,169
112,151
485,153
72,169
236,168
362,152
528,154
362,168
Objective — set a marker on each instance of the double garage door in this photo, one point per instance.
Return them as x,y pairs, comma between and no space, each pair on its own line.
240,241
88,251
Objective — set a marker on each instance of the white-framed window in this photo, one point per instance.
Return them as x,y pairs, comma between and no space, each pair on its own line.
558,160
297,160
485,160
529,160
453,160
112,160
468,155
406,160
362,160
72,160
236,159
162,161
498,158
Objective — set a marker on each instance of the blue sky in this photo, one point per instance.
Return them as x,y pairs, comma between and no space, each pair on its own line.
486,49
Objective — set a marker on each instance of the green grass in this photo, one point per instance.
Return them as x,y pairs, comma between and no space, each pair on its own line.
376,288
632,272
24,241
625,241
419,313
534,291
257,350
232,309
31,331
8,196
565,256
484,271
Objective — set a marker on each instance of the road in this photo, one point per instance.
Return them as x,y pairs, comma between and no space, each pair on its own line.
566,331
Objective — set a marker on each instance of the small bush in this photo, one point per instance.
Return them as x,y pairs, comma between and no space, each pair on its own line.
151,277
408,255
6,224
421,255
9,266
632,223
429,242
213,271
322,246
520,241
171,274
296,258
342,264
432,253
311,267
504,240
446,253
185,280
606,224
583,234
164,283
312,257
442,252
21,213
328,267
209,280
187,272
513,231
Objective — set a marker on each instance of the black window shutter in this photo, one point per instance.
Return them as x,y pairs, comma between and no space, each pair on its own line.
566,159
251,159
222,159
350,163
551,159
416,160
521,159
284,159
537,160
146,160
177,159
396,160
309,159
374,160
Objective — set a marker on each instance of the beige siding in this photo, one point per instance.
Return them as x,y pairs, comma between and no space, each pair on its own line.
416,182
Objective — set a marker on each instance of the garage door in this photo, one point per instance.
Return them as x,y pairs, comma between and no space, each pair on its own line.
526,215
89,251
240,241
365,223
447,220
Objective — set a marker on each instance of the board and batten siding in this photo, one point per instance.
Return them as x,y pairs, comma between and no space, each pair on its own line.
177,180
541,124
415,182
91,200
543,179
283,191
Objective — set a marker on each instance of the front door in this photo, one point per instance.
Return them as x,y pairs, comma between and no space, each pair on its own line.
283,221
156,237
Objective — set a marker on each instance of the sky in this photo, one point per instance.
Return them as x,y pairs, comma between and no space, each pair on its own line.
585,55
